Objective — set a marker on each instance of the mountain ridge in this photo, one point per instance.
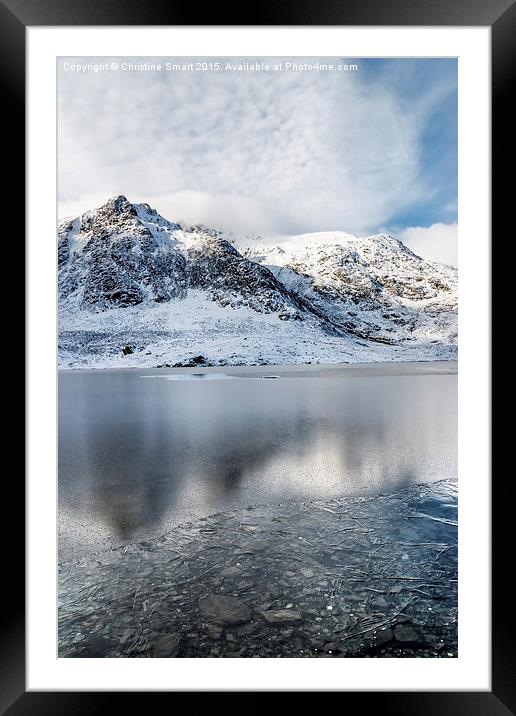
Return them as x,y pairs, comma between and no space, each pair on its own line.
136,289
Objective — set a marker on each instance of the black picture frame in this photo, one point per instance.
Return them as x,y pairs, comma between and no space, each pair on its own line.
500,15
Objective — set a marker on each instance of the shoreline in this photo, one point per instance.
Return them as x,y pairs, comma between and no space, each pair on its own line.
309,367
366,577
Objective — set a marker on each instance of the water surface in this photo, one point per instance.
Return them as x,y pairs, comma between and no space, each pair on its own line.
143,450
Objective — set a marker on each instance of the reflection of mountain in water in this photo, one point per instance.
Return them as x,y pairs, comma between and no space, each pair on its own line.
136,455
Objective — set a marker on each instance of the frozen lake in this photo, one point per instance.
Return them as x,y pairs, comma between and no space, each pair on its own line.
143,450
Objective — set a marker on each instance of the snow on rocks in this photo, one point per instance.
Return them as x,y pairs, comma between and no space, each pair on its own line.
129,277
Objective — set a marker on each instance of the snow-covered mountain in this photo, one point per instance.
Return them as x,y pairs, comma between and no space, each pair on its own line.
138,290
372,287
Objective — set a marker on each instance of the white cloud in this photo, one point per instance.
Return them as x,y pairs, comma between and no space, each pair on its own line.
74,207
435,243
239,214
315,151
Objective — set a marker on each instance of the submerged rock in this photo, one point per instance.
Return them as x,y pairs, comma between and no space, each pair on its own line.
406,634
224,608
332,647
380,602
96,647
231,572
183,594
282,616
167,646
384,637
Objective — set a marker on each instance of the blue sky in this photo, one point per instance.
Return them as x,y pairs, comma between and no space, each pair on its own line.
413,81
274,152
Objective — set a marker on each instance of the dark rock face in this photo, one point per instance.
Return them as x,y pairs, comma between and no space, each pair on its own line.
214,265
119,259
63,244
125,254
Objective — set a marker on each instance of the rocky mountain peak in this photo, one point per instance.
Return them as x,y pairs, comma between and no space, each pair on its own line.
115,208
118,204
119,255
363,291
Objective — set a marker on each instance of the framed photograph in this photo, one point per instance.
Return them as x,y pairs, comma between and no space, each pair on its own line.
258,363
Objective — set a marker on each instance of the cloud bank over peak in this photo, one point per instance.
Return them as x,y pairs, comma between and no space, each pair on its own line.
270,153
435,243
